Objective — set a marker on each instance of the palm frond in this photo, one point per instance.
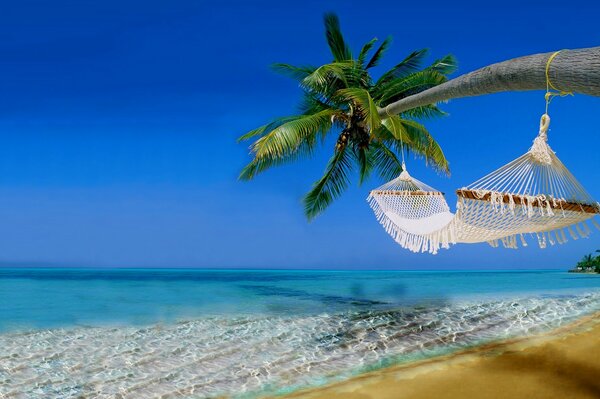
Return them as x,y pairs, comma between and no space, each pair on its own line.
384,160
295,72
287,142
311,104
423,142
383,133
364,161
259,131
286,138
363,100
409,65
393,126
424,112
403,87
379,53
362,56
327,78
260,164
445,65
411,135
335,39
330,186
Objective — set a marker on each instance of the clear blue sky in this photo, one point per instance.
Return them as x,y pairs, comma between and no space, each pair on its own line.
118,123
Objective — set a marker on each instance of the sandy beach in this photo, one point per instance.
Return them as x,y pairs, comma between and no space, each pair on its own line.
564,363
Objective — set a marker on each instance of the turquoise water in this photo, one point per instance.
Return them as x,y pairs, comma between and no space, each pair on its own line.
203,333
45,298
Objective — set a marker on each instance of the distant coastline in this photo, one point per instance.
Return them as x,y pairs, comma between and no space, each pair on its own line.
589,264
581,271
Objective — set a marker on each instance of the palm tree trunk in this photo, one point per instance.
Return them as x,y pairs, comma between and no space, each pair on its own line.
571,70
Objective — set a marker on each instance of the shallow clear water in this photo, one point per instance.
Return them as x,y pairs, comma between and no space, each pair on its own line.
203,333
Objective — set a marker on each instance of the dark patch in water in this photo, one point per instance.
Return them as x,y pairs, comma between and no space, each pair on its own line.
326,299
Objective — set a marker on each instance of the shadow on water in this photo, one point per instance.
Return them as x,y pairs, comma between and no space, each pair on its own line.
362,302
325,299
396,290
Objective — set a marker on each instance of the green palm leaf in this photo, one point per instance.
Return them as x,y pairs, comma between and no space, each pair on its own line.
445,65
410,135
403,87
287,142
362,98
260,164
410,64
384,160
259,131
311,104
295,72
379,53
362,56
286,138
426,145
393,125
335,39
330,186
328,77
363,159
424,112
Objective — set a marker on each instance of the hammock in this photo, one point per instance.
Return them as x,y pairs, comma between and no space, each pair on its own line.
413,213
534,194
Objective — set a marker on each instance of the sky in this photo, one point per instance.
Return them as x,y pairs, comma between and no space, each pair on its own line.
118,127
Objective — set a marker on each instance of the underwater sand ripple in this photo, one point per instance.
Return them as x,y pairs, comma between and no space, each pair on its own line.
242,355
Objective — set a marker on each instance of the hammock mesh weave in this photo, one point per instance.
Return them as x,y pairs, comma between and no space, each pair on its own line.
412,213
534,194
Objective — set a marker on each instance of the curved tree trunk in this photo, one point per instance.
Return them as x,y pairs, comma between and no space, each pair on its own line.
571,70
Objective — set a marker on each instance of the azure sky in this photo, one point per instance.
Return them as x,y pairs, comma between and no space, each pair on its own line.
118,127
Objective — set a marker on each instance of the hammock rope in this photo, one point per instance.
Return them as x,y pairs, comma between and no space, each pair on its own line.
534,194
557,92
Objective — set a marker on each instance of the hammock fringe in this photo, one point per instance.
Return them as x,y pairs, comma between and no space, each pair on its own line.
431,243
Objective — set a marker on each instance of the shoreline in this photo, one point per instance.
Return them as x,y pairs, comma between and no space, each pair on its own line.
564,362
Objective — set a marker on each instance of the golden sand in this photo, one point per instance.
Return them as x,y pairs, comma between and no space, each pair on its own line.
564,364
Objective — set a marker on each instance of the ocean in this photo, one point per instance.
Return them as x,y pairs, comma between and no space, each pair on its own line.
131,333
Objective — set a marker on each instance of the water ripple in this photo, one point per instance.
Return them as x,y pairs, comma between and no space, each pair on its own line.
241,356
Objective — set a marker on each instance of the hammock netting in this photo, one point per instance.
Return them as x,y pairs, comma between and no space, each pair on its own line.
412,213
535,194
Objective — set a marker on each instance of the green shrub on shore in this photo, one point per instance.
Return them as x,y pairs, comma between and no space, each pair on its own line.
589,263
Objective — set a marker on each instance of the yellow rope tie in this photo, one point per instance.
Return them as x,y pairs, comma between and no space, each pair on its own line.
558,92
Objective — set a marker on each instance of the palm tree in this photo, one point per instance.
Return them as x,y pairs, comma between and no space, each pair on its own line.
587,262
343,98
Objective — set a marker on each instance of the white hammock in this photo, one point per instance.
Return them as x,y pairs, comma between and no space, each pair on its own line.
413,213
533,194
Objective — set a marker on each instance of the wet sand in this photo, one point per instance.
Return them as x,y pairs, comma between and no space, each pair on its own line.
564,363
